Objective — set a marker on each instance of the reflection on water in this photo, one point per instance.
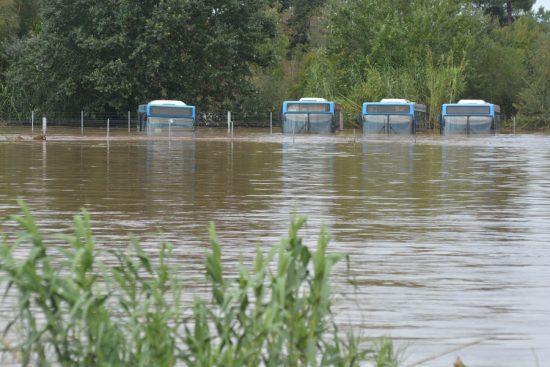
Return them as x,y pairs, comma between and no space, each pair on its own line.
448,238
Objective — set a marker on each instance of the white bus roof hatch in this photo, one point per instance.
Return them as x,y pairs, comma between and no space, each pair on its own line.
394,100
472,101
167,102
312,99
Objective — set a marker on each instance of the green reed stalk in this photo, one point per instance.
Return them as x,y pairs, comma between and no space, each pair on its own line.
75,310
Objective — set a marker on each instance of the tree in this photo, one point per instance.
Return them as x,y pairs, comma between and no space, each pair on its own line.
115,55
8,18
399,33
534,100
300,21
417,49
505,11
497,73
18,17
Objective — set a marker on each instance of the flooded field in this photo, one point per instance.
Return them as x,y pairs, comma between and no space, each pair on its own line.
449,238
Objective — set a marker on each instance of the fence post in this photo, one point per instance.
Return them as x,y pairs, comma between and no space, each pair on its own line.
32,123
108,127
271,122
81,122
44,125
514,125
341,119
228,122
129,116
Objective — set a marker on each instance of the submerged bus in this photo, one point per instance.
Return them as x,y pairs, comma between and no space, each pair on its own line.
309,115
469,116
165,115
393,116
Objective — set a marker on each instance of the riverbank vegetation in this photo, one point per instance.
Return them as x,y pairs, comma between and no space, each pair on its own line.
71,307
250,55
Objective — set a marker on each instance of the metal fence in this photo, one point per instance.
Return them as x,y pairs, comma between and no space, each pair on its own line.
72,119
87,119
239,118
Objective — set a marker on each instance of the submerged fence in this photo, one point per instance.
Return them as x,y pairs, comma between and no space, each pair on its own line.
79,120
129,119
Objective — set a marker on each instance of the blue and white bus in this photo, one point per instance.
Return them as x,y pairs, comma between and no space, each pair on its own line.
393,116
164,115
469,116
309,115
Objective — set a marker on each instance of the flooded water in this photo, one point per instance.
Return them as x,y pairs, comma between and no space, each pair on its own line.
449,238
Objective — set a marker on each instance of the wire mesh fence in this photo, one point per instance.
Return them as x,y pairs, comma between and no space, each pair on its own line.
129,119
240,118
72,119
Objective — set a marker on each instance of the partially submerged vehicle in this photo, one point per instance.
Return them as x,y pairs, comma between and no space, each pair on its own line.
309,115
469,116
166,116
393,116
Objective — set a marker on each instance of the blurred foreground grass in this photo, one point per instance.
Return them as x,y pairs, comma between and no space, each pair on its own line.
72,309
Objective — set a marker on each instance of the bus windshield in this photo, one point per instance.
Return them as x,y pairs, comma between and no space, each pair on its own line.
468,124
391,124
320,122
308,122
174,122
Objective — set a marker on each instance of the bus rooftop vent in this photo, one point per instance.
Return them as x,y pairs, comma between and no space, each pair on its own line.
472,101
394,100
166,102
311,99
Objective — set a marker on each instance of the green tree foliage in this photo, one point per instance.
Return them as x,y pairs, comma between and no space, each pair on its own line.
18,19
500,66
115,55
430,51
497,73
8,18
504,67
299,22
367,32
534,100
411,49
505,11
250,55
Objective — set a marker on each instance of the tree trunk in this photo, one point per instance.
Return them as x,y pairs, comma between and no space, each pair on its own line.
509,12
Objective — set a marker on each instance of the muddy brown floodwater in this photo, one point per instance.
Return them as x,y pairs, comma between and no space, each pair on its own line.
449,238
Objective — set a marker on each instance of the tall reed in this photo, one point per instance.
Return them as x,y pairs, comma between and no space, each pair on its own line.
72,309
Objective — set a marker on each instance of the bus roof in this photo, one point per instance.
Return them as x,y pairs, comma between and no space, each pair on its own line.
167,108
167,102
312,99
319,105
309,101
472,101
394,100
